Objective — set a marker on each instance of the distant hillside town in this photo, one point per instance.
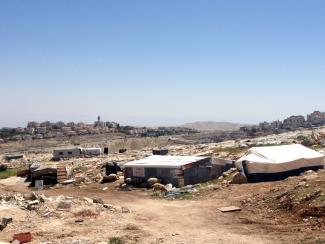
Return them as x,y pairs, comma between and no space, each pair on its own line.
315,119
47,129
292,123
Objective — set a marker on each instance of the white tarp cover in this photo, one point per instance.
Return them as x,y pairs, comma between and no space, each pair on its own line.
159,161
283,158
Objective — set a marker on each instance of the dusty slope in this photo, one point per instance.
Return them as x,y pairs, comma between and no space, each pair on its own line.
212,126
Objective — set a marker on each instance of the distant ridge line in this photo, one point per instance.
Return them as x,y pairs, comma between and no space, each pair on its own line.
213,126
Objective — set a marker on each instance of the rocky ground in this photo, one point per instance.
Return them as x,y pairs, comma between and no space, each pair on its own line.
103,212
289,211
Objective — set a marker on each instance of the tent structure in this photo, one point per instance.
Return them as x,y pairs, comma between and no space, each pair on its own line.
278,162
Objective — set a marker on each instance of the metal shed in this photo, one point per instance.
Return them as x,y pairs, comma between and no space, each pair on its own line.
177,170
67,153
94,151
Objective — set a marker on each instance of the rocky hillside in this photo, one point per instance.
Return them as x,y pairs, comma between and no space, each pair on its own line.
212,126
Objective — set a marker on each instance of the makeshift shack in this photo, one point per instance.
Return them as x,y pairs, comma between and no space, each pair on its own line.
45,172
94,151
177,170
50,173
67,153
278,162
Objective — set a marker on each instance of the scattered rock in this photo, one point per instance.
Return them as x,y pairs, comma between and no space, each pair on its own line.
128,181
225,174
225,182
238,178
125,210
30,196
88,200
312,195
159,187
310,176
109,178
152,181
213,187
112,177
302,184
35,202
98,200
123,185
109,206
32,205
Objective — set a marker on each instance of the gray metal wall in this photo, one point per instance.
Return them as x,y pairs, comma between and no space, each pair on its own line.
165,175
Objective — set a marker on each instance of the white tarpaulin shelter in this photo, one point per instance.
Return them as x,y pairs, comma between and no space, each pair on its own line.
279,161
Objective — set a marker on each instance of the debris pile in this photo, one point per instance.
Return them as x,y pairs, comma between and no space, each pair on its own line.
172,192
232,176
48,206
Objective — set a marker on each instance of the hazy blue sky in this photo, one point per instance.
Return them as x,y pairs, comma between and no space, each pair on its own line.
160,62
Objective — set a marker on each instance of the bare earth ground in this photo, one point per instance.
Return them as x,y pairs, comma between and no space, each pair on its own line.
154,220
158,220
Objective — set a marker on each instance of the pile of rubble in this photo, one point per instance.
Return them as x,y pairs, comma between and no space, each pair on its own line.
29,201
232,176
55,206
16,163
86,171
317,138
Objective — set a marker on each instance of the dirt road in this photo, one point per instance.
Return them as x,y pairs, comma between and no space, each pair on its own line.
152,220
